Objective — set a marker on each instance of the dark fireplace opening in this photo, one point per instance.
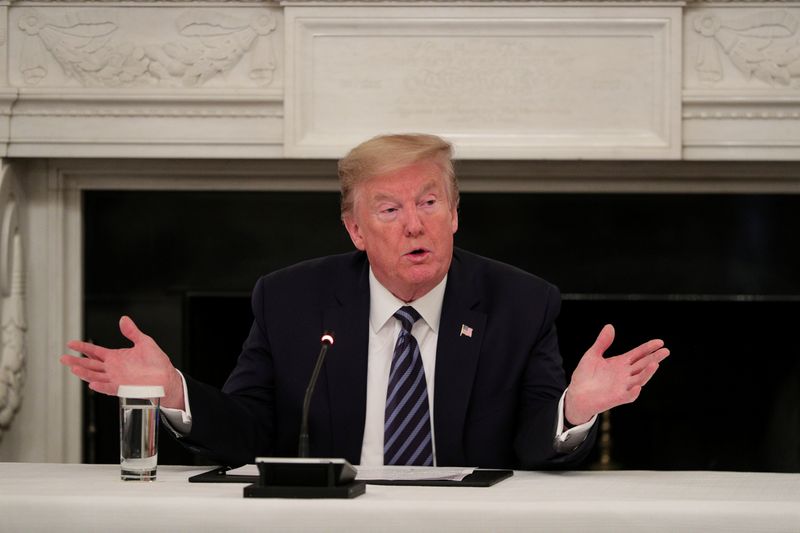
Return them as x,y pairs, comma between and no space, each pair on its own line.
714,275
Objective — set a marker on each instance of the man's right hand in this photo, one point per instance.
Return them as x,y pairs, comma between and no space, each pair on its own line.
143,364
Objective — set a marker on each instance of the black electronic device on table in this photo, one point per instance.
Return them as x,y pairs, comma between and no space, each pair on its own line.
280,477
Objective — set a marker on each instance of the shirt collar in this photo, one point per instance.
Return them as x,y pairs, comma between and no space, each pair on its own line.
383,304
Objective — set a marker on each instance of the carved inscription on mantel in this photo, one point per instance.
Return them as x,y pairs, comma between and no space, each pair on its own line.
490,83
515,84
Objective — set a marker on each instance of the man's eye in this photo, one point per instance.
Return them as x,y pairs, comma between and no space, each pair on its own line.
387,214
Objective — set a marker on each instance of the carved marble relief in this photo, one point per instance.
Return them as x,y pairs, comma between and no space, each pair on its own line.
12,297
763,45
91,47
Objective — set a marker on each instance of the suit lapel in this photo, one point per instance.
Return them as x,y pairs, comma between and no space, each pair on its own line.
346,363
456,362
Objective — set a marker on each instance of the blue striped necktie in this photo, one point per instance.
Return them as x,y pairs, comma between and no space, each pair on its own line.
407,426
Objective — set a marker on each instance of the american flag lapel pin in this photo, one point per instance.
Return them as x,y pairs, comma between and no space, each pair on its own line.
466,331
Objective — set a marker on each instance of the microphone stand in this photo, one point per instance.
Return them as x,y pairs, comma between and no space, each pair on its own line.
303,444
306,477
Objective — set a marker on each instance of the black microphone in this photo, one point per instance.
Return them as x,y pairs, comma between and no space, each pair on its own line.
303,445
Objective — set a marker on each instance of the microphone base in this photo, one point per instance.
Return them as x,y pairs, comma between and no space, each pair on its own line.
346,491
282,477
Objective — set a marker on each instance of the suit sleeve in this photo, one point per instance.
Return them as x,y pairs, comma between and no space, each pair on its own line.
236,424
544,383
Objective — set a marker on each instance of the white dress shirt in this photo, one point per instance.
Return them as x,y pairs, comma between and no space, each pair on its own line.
383,332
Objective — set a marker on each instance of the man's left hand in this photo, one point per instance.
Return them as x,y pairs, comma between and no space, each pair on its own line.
600,383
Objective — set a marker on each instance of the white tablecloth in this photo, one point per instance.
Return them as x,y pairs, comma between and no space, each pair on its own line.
58,497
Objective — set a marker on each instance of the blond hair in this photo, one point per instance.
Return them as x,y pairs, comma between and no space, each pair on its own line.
386,153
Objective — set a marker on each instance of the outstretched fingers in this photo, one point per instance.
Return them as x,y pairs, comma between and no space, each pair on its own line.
641,379
90,350
646,364
83,362
86,369
90,376
654,357
103,368
643,350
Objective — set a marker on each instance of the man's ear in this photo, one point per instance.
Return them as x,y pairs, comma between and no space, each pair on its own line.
354,231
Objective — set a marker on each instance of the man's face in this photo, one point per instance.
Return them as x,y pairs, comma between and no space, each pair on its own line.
403,219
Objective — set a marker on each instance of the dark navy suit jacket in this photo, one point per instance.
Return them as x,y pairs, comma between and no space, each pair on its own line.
496,393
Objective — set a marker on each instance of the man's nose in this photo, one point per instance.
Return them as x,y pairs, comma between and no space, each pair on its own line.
413,223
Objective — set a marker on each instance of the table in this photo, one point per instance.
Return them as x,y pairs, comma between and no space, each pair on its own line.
69,497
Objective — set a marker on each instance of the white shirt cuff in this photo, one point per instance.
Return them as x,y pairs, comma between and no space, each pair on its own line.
178,420
567,441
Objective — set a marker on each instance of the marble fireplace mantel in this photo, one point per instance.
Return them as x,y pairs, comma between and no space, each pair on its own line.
511,80
236,94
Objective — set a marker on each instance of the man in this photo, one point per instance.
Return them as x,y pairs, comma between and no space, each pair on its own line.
441,356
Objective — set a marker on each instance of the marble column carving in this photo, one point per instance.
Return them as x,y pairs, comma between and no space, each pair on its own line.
12,292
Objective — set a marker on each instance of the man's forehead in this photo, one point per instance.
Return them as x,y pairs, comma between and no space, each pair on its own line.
398,185
425,175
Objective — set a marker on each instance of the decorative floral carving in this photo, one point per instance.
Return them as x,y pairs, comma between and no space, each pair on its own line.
12,316
764,46
31,23
89,48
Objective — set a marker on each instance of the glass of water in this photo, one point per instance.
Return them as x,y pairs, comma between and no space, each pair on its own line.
138,431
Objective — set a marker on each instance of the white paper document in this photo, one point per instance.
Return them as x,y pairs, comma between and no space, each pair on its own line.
388,473
246,470
412,473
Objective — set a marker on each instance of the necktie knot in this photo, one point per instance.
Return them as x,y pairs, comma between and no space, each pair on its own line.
407,315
